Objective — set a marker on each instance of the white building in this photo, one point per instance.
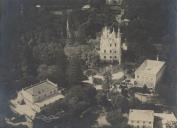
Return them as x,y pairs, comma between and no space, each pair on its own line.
110,45
33,99
149,73
144,97
109,2
168,119
118,76
86,7
141,118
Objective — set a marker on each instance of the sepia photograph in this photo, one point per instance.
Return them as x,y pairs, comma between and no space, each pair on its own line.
88,63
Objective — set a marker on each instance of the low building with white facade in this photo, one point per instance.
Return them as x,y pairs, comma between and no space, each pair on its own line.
144,97
34,99
141,118
149,73
168,120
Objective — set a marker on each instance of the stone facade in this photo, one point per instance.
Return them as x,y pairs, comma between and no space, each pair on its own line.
110,45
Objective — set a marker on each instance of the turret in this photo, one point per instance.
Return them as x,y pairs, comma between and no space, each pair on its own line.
118,33
113,34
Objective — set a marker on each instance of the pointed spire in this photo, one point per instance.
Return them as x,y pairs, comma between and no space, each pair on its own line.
118,33
105,30
113,30
113,34
67,24
68,29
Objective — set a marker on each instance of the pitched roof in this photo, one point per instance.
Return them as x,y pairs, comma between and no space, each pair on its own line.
42,86
141,115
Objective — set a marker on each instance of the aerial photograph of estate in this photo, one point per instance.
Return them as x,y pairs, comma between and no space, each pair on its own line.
88,64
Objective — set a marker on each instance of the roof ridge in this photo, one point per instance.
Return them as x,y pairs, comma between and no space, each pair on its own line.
43,81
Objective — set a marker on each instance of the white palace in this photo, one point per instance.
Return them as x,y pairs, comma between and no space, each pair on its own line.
34,99
110,45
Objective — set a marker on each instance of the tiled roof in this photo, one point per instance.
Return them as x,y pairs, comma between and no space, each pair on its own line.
40,87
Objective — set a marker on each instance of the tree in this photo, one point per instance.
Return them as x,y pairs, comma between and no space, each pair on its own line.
101,98
134,102
52,72
107,81
116,119
151,29
88,55
49,53
92,59
145,89
97,3
79,98
119,102
74,72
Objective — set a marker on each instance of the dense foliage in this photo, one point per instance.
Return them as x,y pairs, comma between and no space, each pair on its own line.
37,43
34,39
